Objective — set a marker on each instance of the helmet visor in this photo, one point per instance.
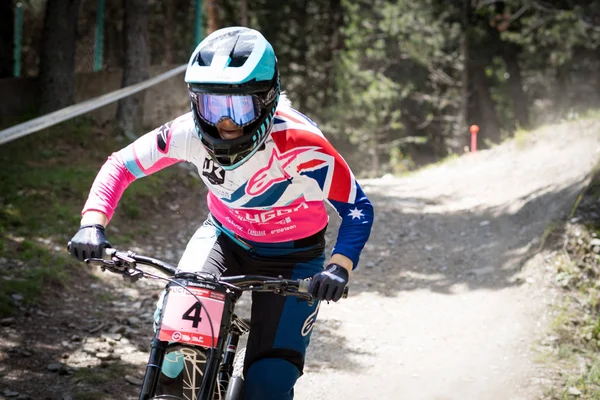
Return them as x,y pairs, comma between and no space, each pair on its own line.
242,109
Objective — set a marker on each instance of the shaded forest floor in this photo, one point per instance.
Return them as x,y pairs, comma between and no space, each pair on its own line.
573,254
455,297
71,332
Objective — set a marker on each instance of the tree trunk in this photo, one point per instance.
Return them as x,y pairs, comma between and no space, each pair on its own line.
301,92
375,156
212,12
329,56
463,120
113,35
57,59
130,111
561,105
487,118
7,21
515,85
168,29
244,12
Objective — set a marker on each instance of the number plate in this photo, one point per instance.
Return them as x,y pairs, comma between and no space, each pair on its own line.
184,321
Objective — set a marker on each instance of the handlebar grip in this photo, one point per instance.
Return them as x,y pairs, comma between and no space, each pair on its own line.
305,283
108,252
345,294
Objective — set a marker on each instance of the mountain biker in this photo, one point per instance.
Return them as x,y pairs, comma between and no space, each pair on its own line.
269,171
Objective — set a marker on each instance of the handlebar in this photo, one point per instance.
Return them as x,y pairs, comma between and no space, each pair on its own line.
125,264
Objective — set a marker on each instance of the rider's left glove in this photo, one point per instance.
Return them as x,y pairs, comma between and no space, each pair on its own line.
330,283
88,242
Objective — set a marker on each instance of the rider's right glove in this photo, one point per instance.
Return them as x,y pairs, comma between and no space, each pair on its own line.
88,242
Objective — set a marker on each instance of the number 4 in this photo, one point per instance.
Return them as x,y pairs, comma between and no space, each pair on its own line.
195,317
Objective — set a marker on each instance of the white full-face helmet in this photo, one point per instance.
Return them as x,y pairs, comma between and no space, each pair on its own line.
233,74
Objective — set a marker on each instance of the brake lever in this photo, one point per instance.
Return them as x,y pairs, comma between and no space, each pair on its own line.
124,259
133,275
100,262
121,264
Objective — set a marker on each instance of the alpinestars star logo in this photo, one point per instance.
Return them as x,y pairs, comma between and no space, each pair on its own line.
310,322
162,137
274,172
212,172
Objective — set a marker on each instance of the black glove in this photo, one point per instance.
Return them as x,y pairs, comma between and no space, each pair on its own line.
330,283
88,242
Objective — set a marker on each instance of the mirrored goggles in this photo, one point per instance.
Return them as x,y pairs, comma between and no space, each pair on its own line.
242,109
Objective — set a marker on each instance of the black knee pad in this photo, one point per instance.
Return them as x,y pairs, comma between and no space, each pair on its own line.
291,356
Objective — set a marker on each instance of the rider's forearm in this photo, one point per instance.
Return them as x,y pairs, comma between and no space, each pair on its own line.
343,261
92,217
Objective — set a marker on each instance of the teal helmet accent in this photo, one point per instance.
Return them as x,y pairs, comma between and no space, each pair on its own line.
234,61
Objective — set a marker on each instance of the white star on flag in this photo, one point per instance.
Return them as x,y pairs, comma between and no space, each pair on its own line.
356,213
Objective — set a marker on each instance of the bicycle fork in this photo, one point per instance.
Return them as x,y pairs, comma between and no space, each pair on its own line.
235,384
154,367
157,355
219,361
227,365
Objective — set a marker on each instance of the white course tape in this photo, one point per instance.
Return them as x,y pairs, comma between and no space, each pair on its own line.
36,124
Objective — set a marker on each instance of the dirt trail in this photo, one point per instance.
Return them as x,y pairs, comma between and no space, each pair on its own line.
441,308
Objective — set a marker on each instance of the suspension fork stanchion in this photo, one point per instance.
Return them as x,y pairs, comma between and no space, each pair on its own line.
211,372
227,364
213,362
157,355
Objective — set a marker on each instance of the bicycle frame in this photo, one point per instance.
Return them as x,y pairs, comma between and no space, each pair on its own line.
220,356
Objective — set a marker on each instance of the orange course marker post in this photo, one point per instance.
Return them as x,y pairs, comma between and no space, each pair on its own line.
474,130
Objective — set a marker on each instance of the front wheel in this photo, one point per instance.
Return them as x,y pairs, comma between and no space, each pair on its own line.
182,373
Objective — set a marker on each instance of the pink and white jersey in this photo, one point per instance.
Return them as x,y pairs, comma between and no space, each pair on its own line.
278,195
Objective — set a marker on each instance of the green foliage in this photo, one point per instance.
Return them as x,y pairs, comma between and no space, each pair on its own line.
91,396
576,325
400,164
42,269
40,177
393,75
585,387
44,182
522,137
95,376
45,179
559,57
373,73
590,114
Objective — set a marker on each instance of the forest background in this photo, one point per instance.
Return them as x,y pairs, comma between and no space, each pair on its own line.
400,81
395,84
